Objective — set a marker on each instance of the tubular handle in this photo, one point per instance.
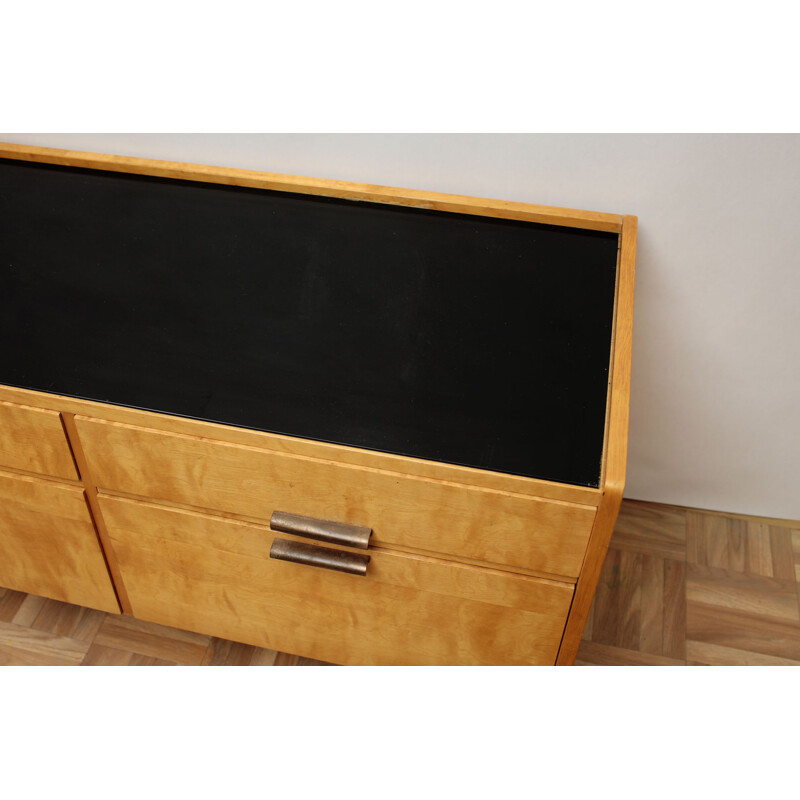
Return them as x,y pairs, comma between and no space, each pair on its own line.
324,557
322,530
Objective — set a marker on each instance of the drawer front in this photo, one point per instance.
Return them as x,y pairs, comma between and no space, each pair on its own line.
33,440
214,576
424,514
48,544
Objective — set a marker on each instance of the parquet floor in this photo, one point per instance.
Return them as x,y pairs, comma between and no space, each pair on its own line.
678,587
36,631
681,586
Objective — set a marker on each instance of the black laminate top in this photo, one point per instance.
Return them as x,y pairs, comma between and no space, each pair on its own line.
451,337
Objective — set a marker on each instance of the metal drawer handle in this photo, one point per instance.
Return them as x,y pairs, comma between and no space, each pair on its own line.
322,530
324,557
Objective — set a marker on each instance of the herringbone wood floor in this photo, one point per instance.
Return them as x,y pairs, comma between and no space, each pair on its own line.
678,587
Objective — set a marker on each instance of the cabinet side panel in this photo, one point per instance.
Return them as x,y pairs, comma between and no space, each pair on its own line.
617,452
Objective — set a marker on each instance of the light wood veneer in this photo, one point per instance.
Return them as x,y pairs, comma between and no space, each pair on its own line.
436,516
33,440
213,575
49,544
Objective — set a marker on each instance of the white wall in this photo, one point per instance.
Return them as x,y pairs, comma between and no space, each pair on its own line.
715,406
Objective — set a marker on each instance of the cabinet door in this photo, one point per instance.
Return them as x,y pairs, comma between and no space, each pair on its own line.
48,544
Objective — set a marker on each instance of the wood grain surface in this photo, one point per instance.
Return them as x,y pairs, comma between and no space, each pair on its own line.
616,452
49,545
33,440
682,586
436,516
90,489
214,575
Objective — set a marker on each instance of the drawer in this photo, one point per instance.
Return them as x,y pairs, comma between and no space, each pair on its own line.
33,440
404,511
214,576
48,544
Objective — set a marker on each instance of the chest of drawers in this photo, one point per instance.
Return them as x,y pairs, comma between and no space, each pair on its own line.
403,498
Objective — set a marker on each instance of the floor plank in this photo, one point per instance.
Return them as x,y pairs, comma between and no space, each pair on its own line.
759,550
703,653
263,658
222,653
739,630
796,553
29,610
61,618
604,655
674,609
756,594
155,641
606,607
652,529
629,600
782,556
99,656
10,604
21,646
88,625
708,537
286,660
651,636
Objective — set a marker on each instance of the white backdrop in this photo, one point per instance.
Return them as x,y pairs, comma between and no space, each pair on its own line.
715,402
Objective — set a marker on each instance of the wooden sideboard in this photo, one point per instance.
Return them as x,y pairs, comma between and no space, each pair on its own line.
171,515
